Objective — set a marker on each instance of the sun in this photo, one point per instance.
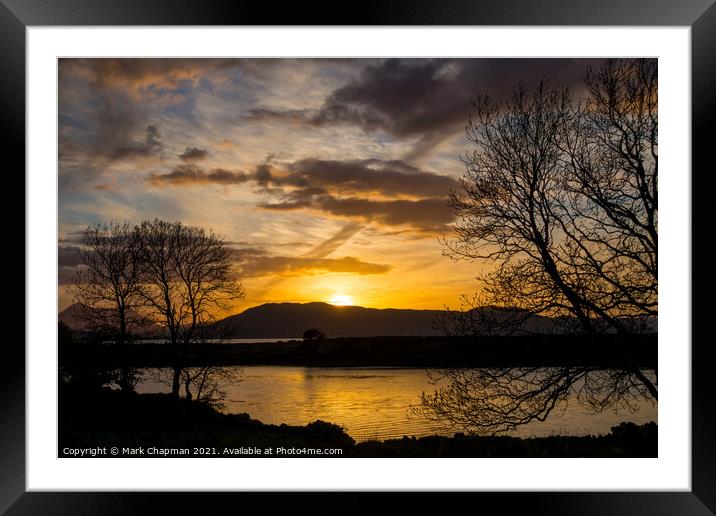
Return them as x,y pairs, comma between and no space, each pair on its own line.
340,300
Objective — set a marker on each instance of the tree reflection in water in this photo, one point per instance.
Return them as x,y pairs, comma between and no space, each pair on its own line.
491,401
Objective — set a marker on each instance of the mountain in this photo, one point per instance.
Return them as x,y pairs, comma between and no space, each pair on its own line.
292,319
277,320
72,317
77,317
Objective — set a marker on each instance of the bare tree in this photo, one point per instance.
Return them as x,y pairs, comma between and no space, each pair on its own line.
611,202
561,198
509,194
188,277
107,286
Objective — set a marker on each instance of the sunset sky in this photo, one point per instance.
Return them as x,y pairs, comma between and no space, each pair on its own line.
328,177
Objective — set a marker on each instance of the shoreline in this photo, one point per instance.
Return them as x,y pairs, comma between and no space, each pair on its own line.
96,418
398,352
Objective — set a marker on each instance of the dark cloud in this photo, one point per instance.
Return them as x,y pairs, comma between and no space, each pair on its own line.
297,116
287,205
408,97
262,175
69,256
388,178
427,98
390,193
69,260
385,192
103,109
424,214
150,145
193,154
98,125
289,266
190,174
314,177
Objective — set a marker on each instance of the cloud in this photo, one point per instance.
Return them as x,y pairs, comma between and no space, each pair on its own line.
306,177
107,109
99,125
334,242
193,154
225,144
69,256
322,250
294,266
151,144
69,261
136,74
427,99
255,261
431,214
191,174
386,177
389,192
296,116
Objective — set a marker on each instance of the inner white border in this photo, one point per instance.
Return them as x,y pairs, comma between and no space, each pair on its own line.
671,471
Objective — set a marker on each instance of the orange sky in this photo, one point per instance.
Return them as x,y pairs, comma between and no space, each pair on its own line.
329,177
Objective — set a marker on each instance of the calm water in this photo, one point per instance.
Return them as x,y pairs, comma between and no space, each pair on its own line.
374,403
222,341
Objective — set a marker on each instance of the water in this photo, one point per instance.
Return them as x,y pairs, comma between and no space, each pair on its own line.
374,403
218,341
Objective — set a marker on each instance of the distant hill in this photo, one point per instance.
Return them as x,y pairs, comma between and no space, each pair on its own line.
290,320
274,320
71,316
74,316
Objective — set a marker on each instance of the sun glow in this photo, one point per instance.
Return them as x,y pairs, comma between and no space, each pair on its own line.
340,300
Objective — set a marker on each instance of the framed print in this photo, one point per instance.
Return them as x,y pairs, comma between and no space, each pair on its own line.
413,250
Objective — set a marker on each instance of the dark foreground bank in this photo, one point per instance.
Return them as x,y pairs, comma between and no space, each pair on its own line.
106,423
533,350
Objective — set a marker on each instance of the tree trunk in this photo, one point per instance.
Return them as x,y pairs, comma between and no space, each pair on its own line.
647,383
125,373
177,369
186,388
176,381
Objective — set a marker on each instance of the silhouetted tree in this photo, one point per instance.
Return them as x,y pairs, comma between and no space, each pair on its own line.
612,188
561,197
188,276
107,286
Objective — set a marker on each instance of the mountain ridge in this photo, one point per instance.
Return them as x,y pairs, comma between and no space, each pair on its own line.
290,320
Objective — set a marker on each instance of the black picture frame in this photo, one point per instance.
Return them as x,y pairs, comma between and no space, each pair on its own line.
699,15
